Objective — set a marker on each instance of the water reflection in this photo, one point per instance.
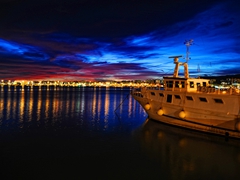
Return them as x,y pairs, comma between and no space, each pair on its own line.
65,132
186,154
89,107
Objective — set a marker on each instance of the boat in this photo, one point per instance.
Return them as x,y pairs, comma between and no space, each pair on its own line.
192,103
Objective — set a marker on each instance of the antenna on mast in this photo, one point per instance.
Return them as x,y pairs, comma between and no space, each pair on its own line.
188,43
198,68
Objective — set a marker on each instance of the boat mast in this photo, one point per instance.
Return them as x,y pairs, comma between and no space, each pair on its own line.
177,64
188,43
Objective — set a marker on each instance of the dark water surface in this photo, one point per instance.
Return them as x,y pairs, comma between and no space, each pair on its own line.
102,133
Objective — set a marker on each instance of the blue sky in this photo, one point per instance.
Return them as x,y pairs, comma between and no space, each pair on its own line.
117,40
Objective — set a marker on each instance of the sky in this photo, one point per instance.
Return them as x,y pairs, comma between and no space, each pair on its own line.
75,40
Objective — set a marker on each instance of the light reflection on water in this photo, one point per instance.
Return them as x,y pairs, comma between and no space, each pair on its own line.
101,133
92,106
186,154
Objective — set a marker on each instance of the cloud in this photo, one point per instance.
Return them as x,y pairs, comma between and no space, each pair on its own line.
82,40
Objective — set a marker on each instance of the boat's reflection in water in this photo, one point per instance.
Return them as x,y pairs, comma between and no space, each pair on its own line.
187,154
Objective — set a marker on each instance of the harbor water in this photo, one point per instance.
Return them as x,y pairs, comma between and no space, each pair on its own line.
102,133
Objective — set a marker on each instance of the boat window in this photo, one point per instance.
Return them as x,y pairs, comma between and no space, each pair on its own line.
218,101
153,93
138,94
191,84
161,94
189,98
183,84
204,84
177,97
202,99
169,98
198,84
169,84
176,84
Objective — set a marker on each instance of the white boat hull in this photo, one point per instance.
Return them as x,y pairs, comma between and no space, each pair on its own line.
222,119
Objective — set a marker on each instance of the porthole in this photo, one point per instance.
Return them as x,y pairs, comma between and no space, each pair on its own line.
161,94
189,98
153,93
202,99
177,97
218,101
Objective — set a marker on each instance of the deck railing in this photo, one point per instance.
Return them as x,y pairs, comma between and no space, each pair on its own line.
212,90
200,89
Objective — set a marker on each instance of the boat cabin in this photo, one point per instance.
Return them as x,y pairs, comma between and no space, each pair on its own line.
184,84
